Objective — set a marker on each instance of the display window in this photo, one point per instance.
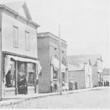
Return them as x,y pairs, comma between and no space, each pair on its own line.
10,74
55,73
30,73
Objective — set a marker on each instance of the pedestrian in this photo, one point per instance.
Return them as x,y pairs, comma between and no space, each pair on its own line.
51,86
104,83
55,85
76,86
22,83
8,79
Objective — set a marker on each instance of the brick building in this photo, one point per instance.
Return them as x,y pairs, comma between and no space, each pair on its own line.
48,55
76,73
18,49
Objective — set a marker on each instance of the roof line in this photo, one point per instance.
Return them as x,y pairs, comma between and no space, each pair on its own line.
16,13
51,34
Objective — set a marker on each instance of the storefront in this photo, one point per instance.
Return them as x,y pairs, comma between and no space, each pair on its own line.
19,75
55,72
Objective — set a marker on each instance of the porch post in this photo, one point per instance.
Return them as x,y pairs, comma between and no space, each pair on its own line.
26,77
35,82
0,65
16,79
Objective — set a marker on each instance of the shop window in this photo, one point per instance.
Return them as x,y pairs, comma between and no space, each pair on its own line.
31,73
27,41
55,73
22,71
63,61
15,36
63,76
10,75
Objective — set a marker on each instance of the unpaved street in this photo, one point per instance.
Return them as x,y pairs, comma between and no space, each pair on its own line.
99,98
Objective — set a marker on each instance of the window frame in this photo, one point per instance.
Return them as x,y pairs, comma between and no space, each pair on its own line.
15,40
27,43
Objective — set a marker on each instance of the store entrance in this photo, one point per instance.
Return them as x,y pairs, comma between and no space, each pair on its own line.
22,78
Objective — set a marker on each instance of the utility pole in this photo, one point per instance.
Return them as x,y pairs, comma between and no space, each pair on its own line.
60,74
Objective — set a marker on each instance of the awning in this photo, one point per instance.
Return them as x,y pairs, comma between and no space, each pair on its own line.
21,59
39,67
56,65
24,60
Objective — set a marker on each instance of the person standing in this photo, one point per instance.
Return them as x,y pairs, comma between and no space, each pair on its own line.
55,85
51,86
8,79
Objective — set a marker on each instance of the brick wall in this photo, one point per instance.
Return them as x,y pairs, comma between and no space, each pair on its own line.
47,47
79,77
43,56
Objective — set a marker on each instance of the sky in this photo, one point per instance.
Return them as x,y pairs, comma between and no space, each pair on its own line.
84,24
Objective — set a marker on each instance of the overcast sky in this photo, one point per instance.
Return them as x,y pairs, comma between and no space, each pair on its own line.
84,23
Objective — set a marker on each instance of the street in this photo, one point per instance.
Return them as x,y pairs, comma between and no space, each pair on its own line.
99,98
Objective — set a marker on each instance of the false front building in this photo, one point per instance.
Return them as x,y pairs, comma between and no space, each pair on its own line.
18,49
48,55
86,70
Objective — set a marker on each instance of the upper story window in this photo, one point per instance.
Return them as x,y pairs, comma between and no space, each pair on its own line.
15,36
27,41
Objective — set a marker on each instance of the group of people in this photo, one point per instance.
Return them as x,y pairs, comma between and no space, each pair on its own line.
22,82
106,83
55,85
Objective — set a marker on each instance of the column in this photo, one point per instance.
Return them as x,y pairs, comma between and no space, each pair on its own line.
26,77
36,79
16,79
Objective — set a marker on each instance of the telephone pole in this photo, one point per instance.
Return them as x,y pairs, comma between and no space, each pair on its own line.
60,75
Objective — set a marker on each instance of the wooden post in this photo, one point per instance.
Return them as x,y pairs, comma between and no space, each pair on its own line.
26,77
60,74
35,78
16,79
0,65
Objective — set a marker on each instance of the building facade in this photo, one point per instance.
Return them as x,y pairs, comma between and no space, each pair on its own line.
18,49
76,74
92,66
106,76
48,55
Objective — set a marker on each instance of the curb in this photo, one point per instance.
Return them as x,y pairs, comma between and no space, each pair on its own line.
15,101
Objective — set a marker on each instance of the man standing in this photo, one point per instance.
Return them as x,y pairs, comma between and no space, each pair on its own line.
51,86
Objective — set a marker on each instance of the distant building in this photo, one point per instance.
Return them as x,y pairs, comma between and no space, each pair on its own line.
88,68
106,75
18,49
48,54
76,73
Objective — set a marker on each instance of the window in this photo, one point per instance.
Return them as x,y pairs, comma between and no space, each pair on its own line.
22,71
31,74
27,41
63,76
63,61
15,36
55,73
10,75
